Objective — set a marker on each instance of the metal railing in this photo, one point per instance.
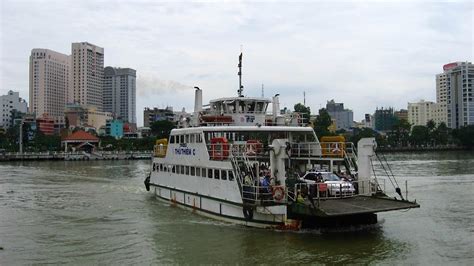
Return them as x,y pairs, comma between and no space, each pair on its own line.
264,195
325,191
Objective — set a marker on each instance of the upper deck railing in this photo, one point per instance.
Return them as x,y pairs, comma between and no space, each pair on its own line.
334,150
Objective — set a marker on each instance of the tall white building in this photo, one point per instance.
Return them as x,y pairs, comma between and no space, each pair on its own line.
87,67
120,93
9,102
459,94
49,83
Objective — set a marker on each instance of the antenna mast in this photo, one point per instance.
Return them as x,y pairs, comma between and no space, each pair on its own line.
263,90
241,88
304,98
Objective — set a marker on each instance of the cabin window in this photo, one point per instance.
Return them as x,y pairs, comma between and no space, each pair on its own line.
199,138
198,171
209,173
181,139
203,173
193,171
173,169
216,173
186,138
161,167
182,169
231,176
187,170
171,139
224,174
191,138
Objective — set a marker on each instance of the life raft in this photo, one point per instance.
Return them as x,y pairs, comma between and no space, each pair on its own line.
219,149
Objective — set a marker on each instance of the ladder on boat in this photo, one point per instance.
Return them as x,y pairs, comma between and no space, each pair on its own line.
350,159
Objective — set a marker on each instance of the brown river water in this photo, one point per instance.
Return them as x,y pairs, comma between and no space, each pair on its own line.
100,213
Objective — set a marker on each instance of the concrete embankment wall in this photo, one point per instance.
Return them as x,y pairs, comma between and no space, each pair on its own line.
77,156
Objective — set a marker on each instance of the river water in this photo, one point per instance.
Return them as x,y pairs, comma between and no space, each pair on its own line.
99,213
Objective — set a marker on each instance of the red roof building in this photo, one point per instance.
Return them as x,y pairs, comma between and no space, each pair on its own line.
80,140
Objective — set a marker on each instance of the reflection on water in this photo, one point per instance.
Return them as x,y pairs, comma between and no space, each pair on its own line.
99,212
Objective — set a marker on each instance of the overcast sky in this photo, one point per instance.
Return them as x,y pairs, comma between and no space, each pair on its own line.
364,54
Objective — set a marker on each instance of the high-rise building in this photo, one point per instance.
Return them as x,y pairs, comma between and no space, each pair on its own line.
441,98
344,117
459,77
87,68
10,103
120,93
49,83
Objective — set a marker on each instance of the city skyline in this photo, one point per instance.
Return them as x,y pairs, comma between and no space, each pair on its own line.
364,55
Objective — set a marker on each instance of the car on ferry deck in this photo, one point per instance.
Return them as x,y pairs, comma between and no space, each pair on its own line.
335,184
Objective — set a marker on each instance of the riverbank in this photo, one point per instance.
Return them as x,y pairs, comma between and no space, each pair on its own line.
76,156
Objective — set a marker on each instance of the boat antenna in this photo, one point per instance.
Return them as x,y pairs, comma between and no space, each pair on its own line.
241,88
263,90
304,98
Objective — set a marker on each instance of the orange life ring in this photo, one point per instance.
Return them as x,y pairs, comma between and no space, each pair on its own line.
219,148
253,147
278,193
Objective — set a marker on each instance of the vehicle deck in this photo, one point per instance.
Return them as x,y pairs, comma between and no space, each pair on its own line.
352,206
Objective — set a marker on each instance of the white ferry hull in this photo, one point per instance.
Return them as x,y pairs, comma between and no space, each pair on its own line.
222,210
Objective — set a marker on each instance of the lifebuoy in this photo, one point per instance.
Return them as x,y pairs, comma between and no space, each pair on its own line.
278,193
219,149
248,212
253,147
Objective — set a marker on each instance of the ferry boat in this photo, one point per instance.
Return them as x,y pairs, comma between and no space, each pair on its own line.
235,163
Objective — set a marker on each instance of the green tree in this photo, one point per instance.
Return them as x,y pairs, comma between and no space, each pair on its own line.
465,135
441,134
419,135
162,129
431,125
43,142
400,133
362,133
305,111
322,123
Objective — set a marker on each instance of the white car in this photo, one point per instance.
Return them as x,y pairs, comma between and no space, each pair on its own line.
335,185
